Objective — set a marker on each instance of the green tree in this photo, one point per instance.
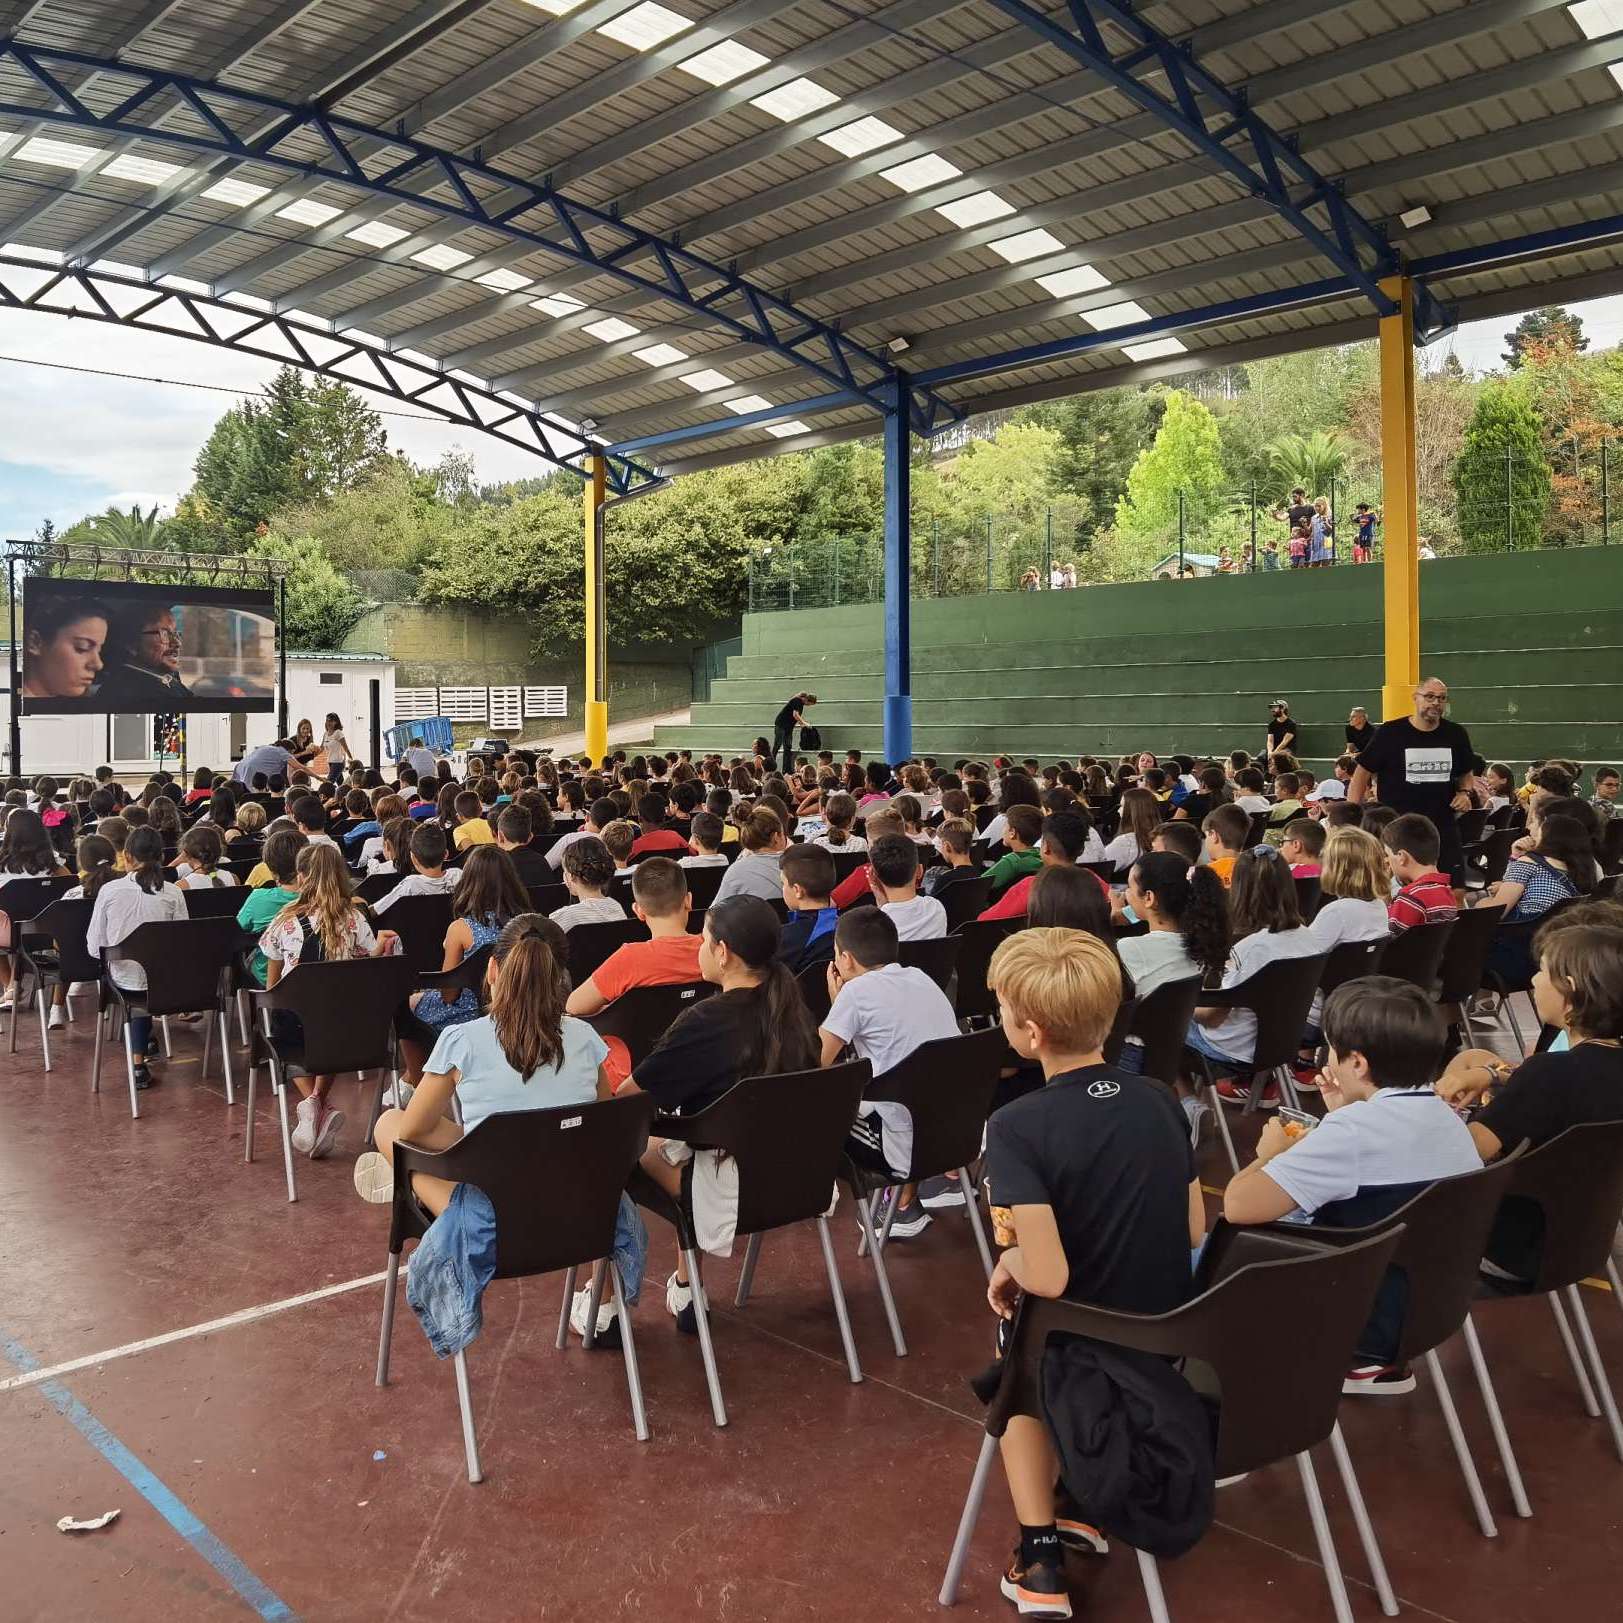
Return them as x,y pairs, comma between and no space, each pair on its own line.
394,519
1501,480
340,442
132,529
322,606
1100,436
1186,458
1309,460
1551,325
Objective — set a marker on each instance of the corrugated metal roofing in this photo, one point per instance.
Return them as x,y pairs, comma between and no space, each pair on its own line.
1500,117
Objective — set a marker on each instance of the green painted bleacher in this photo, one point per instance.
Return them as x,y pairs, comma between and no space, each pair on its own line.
1531,645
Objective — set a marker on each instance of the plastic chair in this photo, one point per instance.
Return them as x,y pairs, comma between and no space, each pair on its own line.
347,1010
937,958
421,923
592,944
1280,994
703,883
1471,826
1465,954
977,941
813,984
1417,955
948,1086
1351,961
555,1178
1611,846
22,899
54,953
787,1134
1311,1299
1159,1020
218,902
186,963
1445,1231
965,900
846,863
549,898
1486,861
1307,898
640,1017
1576,1181
375,886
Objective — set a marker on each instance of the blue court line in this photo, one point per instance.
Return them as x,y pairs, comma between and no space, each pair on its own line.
230,1566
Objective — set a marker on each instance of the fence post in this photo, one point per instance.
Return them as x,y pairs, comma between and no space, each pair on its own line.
989,552
1180,535
752,583
834,541
935,554
1510,520
1048,548
1253,526
1605,501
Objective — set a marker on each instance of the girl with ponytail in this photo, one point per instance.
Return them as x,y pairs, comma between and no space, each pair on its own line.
525,1054
758,1025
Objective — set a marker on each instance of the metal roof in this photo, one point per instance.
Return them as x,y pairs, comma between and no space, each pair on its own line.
744,219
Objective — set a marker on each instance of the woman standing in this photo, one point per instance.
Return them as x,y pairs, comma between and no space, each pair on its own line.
336,748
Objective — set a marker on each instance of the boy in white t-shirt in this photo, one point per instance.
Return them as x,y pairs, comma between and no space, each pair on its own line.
883,1011
429,876
704,840
893,872
1387,1136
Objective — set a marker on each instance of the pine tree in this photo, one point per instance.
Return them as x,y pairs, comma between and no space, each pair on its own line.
1550,326
1501,479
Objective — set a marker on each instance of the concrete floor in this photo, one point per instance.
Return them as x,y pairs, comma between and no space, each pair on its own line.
244,1458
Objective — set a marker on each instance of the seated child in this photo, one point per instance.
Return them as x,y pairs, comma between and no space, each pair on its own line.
1301,847
807,876
704,842
588,873
472,828
1425,896
1286,808
953,838
1226,829
1023,827
893,874
429,876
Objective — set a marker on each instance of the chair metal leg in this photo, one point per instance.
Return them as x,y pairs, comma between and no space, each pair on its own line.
248,1121
893,1202
1361,1520
874,1202
163,1029
1462,1449
287,1133
972,1205
208,1049
1586,1339
95,1060
1611,1274
966,1522
876,1251
1585,1390
225,1056
563,1309
242,1016
465,1404
593,1302
1515,1024
129,1067
746,1275
1322,1537
837,1291
386,1332
628,1348
1496,1421
1150,1575
44,1025
1222,1122
701,1313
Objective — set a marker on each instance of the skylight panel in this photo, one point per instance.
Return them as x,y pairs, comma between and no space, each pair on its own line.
1028,245
306,212
782,431
557,304
611,328
660,355
144,171
704,382
503,281
41,149
723,63
45,256
976,209
865,135
645,26
376,234
794,100
1154,350
441,258
558,8
917,173
748,403
1597,17
1078,279
238,193
1115,315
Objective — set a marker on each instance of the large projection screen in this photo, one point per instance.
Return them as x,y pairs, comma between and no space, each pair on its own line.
115,646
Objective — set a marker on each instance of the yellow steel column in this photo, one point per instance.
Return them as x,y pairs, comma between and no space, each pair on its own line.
597,676
1400,514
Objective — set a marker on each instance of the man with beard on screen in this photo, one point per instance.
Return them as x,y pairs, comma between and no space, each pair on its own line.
143,661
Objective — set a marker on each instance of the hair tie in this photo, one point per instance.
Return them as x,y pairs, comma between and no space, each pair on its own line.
1189,874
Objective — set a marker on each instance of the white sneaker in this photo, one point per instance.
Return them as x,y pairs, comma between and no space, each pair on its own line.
58,1018
1199,1115
582,1302
374,1178
304,1134
678,1298
327,1134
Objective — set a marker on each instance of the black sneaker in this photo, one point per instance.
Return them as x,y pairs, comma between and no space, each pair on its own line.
143,1079
1075,1533
908,1222
1038,1590
941,1193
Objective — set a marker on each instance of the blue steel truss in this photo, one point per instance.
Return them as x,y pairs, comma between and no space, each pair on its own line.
309,141
127,300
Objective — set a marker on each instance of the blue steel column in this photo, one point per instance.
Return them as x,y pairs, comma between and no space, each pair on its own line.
898,578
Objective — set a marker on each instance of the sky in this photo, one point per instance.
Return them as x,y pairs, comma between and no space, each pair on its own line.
72,443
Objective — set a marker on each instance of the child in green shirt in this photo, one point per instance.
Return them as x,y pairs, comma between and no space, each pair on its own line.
280,855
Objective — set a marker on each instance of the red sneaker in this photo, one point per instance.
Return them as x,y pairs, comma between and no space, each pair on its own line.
1239,1093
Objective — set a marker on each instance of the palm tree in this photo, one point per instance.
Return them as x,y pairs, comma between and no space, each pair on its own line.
1309,460
131,529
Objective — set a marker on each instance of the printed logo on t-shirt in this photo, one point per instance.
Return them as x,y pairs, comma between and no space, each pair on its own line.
1428,765
1103,1090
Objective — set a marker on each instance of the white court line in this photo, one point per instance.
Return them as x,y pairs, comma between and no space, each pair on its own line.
246,1316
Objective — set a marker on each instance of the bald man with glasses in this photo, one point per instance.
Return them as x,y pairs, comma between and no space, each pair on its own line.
1421,763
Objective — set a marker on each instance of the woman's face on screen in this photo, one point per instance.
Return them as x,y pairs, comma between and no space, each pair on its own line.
65,663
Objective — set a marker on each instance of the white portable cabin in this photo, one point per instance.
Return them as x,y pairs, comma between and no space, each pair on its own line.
360,687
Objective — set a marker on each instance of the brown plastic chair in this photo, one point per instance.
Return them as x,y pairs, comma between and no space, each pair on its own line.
787,1133
375,886
22,899
187,964
549,898
1276,1293
1159,1020
977,940
947,1086
1307,897
938,958
1416,955
846,863
1576,1181
813,984
703,883
1487,859
218,902
555,1178
1351,961
347,1010
1445,1231
1280,994
1465,954
421,923
52,950
965,899
640,1017
591,945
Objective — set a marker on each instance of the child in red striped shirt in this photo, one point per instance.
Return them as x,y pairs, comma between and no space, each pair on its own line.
1425,896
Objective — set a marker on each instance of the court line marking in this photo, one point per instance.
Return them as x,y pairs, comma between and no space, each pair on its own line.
34,1375
248,1585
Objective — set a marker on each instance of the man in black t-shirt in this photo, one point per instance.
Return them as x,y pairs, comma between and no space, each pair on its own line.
1421,763
1094,1191
783,729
